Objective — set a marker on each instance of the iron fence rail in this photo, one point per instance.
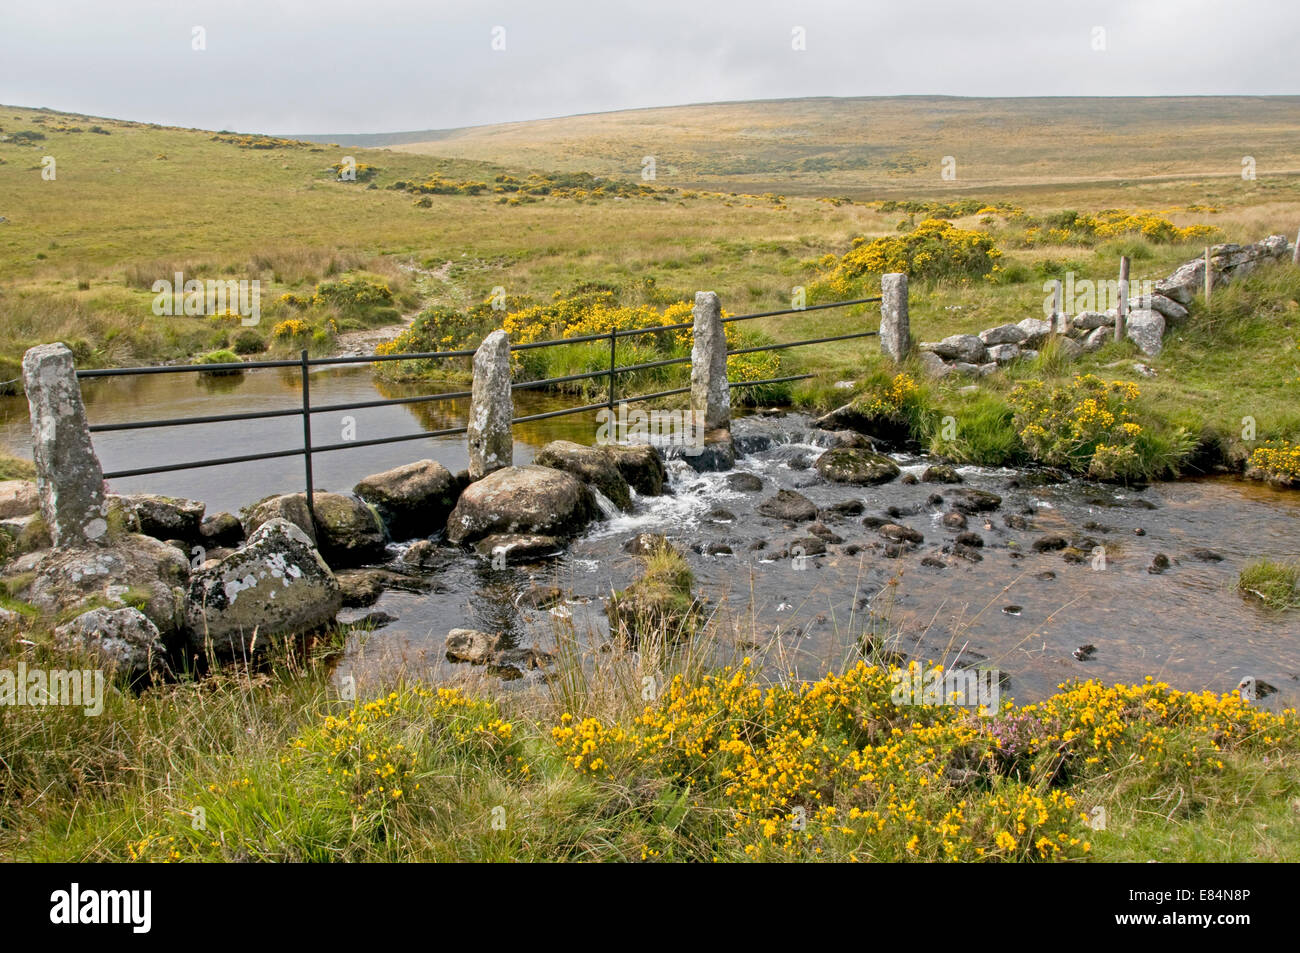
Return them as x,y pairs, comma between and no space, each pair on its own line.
305,410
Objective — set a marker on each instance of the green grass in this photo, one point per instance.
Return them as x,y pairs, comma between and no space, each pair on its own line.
1275,584
250,766
15,468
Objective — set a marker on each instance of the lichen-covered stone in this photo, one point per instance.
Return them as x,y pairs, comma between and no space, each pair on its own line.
277,585
858,467
69,479
491,409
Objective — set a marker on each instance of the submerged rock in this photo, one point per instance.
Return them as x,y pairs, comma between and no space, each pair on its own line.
515,548
971,501
790,506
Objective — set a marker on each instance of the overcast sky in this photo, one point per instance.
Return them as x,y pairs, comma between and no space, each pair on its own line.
334,66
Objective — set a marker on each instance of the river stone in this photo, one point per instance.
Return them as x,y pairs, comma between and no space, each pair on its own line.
221,529
141,570
900,534
646,544
515,548
933,366
348,533
1004,353
717,455
836,439
789,505
18,498
529,499
277,585
289,506
1091,320
123,640
167,517
745,482
959,347
1146,329
69,479
941,473
491,409
471,645
641,466
970,501
413,500
1036,331
592,465
1003,334
359,588
858,467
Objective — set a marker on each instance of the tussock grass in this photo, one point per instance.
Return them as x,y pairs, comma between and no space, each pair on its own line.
1275,584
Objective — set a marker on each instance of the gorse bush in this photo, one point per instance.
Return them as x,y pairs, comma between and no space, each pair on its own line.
1279,460
934,249
1076,228
1090,426
838,769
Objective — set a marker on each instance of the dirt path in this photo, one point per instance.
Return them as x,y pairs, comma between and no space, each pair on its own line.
360,343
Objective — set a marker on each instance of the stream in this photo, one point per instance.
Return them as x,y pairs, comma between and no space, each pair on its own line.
1006,605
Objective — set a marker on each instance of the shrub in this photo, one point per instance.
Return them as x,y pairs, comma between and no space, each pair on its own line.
291,330
934,249
249,342
353,295
220,357
1090,426
1278,460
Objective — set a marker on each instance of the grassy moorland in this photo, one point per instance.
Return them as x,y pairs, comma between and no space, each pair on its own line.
729,765
133,203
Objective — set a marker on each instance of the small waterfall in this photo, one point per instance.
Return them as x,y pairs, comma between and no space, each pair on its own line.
607,507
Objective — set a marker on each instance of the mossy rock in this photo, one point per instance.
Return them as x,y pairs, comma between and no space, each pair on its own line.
856,466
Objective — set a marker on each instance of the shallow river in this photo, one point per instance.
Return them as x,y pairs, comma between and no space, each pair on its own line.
1024,612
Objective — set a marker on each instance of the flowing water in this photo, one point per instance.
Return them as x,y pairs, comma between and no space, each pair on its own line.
1022,611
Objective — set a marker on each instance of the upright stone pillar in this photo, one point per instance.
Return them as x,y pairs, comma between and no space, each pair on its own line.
710,395
895,328
491,408
69,479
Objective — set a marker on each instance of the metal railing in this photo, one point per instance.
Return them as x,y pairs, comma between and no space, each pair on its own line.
306,409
